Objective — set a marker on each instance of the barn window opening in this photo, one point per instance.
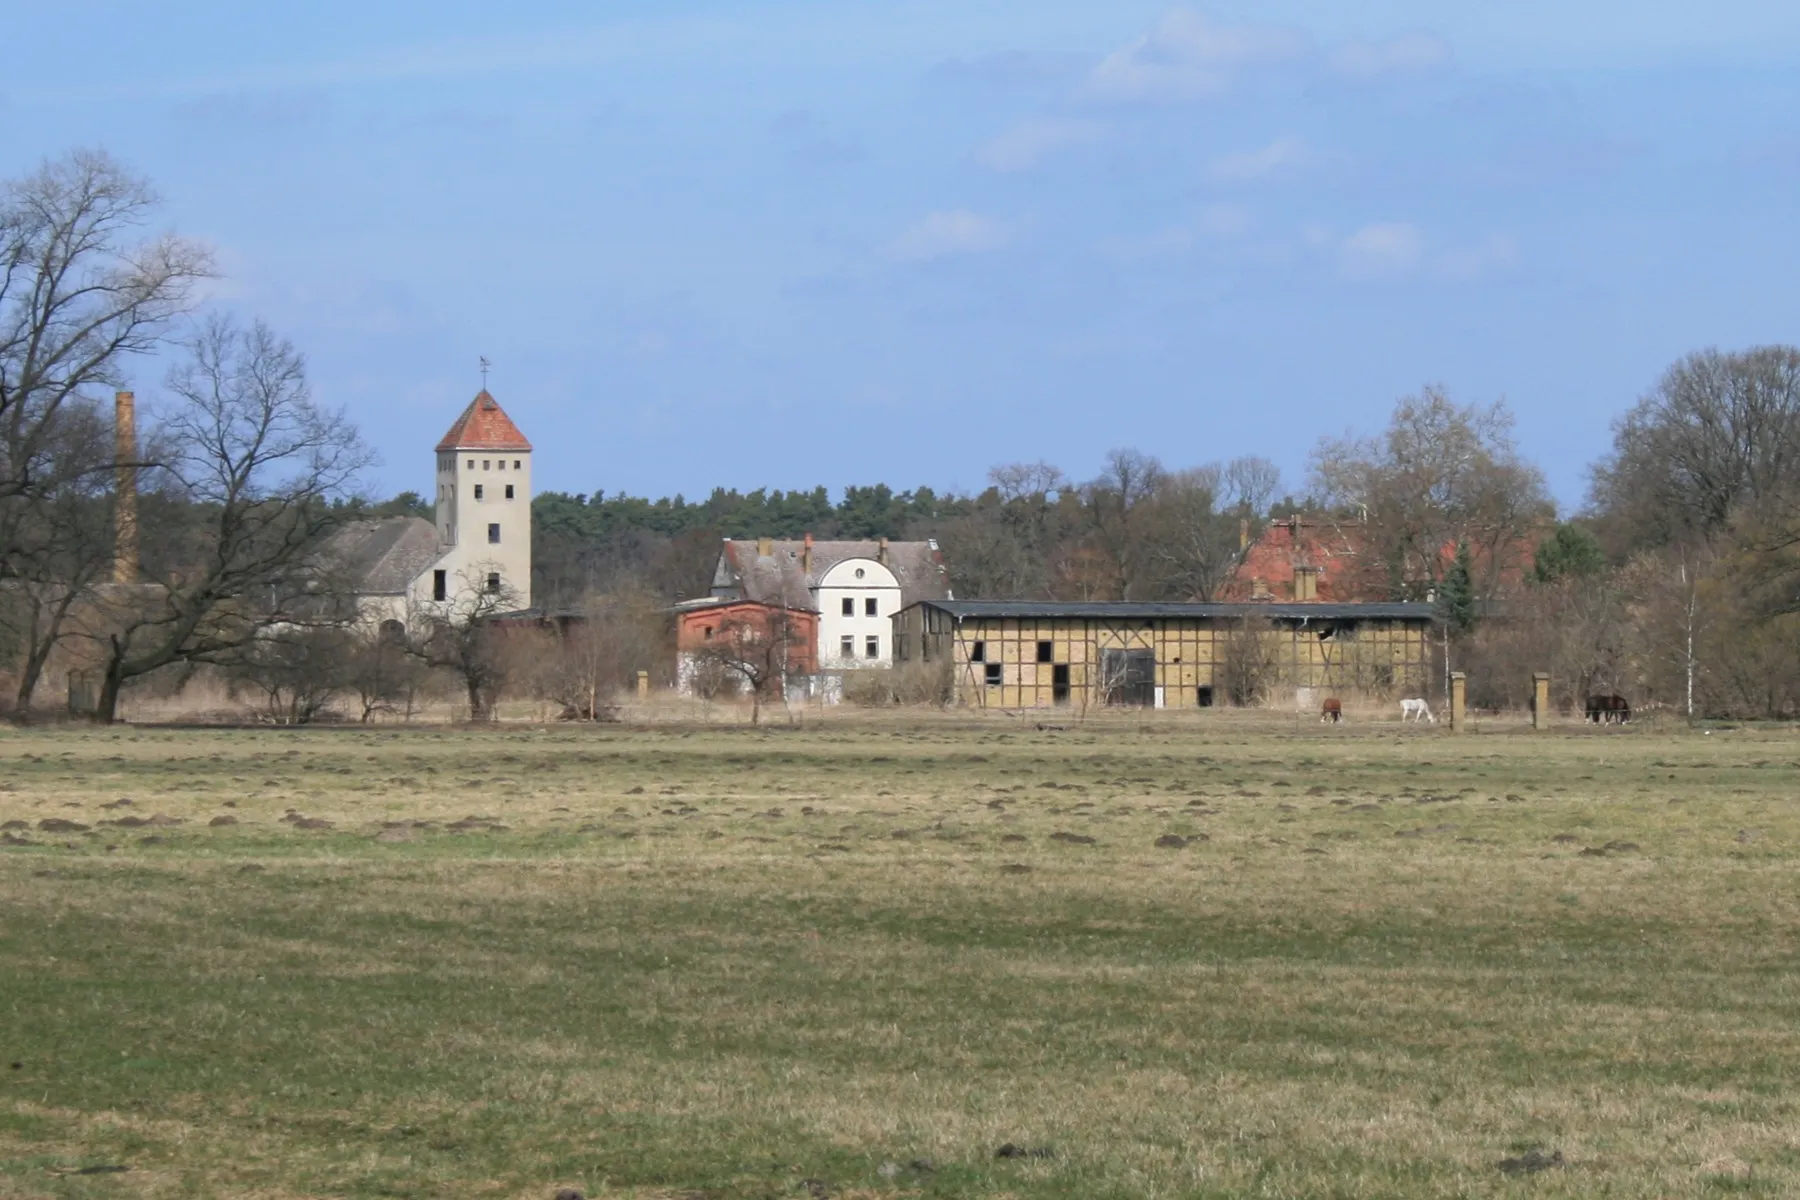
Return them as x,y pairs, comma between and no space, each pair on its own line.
493,581
494,535
849,607
847,647
440,585
871,607
978,652
1046,651
993,674
1204,697
509,491
872,648
1059,684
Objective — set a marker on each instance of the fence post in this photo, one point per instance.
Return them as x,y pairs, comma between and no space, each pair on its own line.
1459,686
1540,700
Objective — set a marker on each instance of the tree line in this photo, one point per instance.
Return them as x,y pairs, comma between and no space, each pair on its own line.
1678,582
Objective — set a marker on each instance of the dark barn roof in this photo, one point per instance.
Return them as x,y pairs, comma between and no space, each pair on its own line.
384,556
1112,611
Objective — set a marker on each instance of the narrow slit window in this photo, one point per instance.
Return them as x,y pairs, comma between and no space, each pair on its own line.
440,585
494,535
478,491
509,491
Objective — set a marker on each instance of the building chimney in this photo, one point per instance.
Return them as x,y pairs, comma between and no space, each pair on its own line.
1306,583
765,547
125,514
806,556
881,556
1243,535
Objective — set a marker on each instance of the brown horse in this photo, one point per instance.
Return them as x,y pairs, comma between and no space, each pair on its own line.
1333,711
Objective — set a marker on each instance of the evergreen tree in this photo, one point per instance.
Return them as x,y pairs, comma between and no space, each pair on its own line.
1457,596
1570,551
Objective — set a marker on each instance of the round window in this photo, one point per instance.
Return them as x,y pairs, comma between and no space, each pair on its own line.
860,572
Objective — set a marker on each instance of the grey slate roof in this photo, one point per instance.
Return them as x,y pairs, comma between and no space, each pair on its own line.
1054,609
383,557
780,577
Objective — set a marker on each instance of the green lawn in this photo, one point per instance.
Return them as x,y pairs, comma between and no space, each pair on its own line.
730,963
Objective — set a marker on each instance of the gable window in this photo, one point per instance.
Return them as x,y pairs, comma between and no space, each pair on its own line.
509,494
978,652
993,674
849,607
440,585
846,647
871,607
1047,652
493,581
493,535
478,491
872,648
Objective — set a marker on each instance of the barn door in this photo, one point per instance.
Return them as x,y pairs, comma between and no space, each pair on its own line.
1130,677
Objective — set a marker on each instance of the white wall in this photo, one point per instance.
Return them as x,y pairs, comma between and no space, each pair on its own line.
463,518
858,580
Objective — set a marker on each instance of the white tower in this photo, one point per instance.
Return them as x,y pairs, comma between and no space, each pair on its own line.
483,508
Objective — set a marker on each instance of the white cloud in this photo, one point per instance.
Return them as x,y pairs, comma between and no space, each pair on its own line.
1189,57
1213,226
1382,251
1283,154
1408,54
1025,146
943,234
1495,254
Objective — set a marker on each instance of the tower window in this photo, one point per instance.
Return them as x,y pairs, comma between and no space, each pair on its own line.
440,585
493,581
478,491
509,494
849,607
516,465
494,535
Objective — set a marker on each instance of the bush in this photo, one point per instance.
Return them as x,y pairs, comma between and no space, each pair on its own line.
911,683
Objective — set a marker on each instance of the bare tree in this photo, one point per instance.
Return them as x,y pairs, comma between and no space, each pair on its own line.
762,652
1247,662
588,660
255,462
1440,475
459,636
80,292
1118,504
1194,535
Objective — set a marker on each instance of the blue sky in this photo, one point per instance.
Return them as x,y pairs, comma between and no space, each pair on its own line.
789,243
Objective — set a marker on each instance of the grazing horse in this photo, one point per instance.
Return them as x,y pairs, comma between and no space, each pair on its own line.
1333,711
1416,710
1608,710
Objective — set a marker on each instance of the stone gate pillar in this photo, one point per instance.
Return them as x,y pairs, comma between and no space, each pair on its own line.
1540,700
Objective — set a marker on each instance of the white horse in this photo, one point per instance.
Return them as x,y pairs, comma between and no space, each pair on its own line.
1416,710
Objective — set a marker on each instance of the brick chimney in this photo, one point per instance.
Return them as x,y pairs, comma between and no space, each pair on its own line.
881,556
125,514
1243,535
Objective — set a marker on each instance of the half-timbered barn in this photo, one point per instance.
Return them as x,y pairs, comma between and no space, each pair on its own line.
1029,654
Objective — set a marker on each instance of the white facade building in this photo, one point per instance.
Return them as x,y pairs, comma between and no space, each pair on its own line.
856,587
476,557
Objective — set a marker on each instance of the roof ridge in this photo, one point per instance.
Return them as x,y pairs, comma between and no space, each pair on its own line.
483,425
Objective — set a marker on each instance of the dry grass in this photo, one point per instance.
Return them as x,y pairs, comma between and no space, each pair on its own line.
724,963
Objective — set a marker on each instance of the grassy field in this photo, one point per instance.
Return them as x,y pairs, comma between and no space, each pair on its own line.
1192,957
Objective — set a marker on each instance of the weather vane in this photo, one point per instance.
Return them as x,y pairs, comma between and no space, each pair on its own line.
485,364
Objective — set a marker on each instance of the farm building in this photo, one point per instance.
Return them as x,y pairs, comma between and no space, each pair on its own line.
1028,654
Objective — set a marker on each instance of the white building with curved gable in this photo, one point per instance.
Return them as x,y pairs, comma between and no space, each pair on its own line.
856,587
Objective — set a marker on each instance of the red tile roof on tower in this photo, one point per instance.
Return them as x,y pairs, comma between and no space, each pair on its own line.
483,425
